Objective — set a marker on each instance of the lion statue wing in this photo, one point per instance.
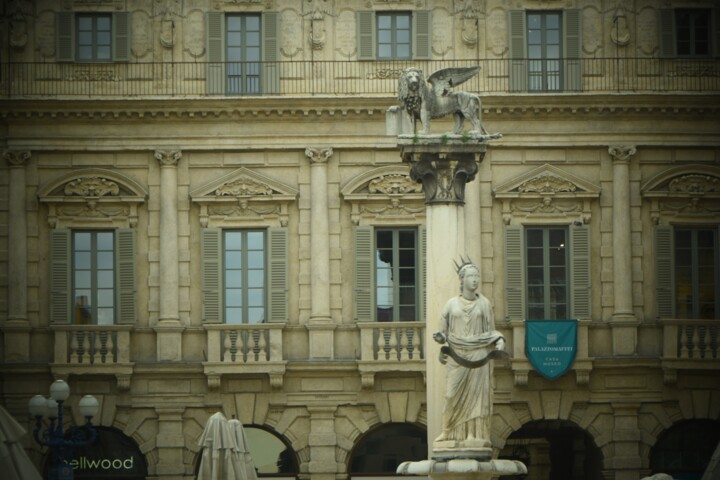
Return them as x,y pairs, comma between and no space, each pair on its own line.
444,79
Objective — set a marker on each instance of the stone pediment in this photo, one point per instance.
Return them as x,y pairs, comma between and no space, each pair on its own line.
547,180
547,191
243,196
385,194
685,192
93,197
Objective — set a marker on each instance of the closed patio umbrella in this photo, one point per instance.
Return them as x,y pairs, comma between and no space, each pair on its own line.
14,462
244,462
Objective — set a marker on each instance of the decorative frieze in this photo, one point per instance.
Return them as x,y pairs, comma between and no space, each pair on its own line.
92,187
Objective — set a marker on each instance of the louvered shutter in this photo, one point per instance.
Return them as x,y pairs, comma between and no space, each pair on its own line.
65,36
514,273
365,35
666,32
125,276
121,36
422,272
60,267
422,35
364,274
716,32
215,36
277,274
572,20
665,271
211,275
271,52
518,50
580,271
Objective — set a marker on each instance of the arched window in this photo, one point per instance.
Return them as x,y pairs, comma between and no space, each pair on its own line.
555,449
684,450
381,450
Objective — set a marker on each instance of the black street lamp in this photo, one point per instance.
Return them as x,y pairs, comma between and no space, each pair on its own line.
60,447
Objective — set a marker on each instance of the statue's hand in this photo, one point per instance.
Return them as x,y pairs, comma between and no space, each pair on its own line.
500,344
439,337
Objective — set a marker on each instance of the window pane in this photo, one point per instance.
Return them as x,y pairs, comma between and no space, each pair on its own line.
233,22
103,22
536,313
252,22
85,38
256,278
256,259
535,257
552,20
384,51
384,258
407,295
82,279
407,258
233,240
105,241
402,21
233,259
407,276
105,316
533,21
407,314
534,238
256,315
256,297
233,40
103,53
82,260
233,297
105,298
383,277
384,36
82,240
233,279
105,278
233,315
403,36
384,314
384,21
103,38
536,294
403,51
407,239
384,297
534,37
553,37
105,260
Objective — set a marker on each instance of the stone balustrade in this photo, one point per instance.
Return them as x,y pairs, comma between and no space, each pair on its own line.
689,344
390,346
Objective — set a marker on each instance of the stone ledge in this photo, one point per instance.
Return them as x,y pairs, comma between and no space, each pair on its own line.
458,467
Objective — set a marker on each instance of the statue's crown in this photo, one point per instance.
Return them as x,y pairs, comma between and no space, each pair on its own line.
464,263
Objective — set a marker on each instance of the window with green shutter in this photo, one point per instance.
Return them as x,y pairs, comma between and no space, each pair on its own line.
244,275
394,35
92,278
389,274
545,50
93,37
547,272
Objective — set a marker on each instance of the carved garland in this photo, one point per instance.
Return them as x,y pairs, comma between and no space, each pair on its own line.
690,195
386,198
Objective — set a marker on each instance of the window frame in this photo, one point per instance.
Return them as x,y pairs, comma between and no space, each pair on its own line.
94,272
544,60
243,78
67,37
94,32
694,14
547,284
244,272
367,35
694,312
396,273
393,16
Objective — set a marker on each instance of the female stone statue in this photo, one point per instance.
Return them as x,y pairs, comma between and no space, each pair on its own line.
468,327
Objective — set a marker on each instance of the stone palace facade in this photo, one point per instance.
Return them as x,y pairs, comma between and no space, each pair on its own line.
203,208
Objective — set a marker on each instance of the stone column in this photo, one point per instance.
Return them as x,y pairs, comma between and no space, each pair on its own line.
443,169
626,462
168,329
624,323
17,327
322,441
320,325
473,225
170,442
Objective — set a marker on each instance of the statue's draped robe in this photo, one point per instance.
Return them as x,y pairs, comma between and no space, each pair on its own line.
470,329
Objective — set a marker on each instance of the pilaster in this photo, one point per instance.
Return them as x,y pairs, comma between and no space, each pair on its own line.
17,328
626,436
323,442
170,442
624,323
168,329
320,327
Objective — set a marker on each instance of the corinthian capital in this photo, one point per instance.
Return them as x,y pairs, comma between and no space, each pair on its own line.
168,158
318,155
17,158
622,153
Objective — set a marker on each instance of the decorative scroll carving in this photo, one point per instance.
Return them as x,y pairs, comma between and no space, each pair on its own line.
242,187
394,208
444,180
622,153
469,20
93,210
693,206
168,158
695,183
547,205
92,75
394,184
620,33
242,209
92,187
547,183
383,73
318,155
17,158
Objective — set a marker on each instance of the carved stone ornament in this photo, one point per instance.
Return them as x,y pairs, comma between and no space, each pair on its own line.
92,187
17,158
168,158
443,179
243,187
622,153
688,192
386,194
243,198
620,33
394,184
550,192
318,155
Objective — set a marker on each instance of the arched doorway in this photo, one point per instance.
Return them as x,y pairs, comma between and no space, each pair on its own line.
114,456
379,452
272,455
554,450
684,450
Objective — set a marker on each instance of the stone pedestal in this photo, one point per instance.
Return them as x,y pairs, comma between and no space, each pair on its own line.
461,469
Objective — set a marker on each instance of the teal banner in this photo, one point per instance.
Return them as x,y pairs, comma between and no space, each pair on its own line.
550,346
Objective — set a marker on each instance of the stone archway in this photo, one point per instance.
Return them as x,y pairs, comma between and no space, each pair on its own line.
684,450
380,450
555,449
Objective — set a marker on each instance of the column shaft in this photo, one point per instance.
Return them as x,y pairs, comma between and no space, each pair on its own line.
319,242
622,243
17,247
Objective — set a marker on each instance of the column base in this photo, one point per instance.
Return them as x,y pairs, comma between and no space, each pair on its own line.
169,341
17,341
624,335
322,338
463,468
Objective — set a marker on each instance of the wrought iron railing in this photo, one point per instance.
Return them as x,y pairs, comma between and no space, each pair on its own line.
345,78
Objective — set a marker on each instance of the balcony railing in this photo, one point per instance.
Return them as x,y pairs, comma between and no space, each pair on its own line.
390,346
96,349
247,349
346,78
690,344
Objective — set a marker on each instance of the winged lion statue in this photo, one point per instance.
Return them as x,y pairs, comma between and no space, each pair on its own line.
423,102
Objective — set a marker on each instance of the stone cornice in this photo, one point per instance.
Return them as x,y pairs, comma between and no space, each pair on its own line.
314,107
